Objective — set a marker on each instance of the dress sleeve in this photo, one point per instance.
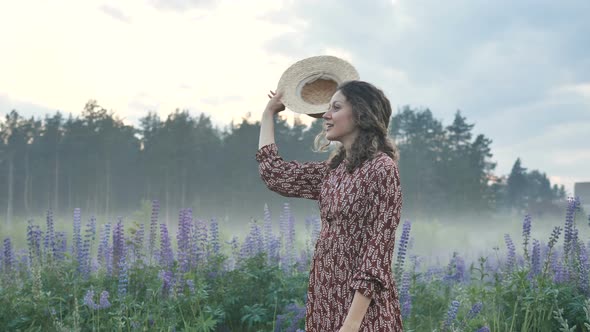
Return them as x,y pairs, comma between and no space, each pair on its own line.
373,274
290,179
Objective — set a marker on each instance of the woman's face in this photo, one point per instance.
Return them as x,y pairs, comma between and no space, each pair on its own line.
338,120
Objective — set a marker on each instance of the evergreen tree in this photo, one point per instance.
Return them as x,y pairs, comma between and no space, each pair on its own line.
516,187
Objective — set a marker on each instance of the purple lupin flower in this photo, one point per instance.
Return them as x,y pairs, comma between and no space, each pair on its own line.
191,286
108,260
192,239
536,258
526,235
291,237
402,247
50,235
292,309
552,241
451,315
555,263
415,260
583,269
432,273
274,250
511,256
166,254
21,260
214,236
61,245
569,225
200,241
554,236
299,315
34,237
561,272
456,269
235,252
267,229
183,236
153,230
103,246
180,284
167,280
8,257
89,234
138,244
557,271
460,270
302,261
247,248
123,277
77,236
251,244
283,230
475,310
570,259
118,244
94,266
287,237
405,298
104,300
89,300
484,329
257,238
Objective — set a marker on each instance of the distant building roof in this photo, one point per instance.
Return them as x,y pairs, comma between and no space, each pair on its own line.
582,190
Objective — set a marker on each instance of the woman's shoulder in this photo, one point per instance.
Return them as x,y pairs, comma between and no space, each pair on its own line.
382,160
380,166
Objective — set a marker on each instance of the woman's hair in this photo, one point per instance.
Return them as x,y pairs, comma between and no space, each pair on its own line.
371,112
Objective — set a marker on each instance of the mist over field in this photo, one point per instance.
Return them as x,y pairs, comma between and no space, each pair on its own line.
130,193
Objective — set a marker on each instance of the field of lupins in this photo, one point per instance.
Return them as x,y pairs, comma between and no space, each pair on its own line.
139,277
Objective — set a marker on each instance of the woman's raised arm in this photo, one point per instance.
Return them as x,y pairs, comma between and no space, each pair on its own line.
291,179
267,125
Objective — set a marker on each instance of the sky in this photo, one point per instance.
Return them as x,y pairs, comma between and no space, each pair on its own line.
520,71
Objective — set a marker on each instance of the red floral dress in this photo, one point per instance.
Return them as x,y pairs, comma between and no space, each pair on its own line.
354,251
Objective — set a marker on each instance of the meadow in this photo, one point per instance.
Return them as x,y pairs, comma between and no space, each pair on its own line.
196,274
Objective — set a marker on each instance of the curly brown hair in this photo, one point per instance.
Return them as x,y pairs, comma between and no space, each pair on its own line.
371,112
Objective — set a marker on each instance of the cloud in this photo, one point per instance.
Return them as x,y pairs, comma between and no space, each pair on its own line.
459,54
115,13
24,108
220,100
182,5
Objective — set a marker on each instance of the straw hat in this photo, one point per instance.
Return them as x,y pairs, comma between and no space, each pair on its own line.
308,85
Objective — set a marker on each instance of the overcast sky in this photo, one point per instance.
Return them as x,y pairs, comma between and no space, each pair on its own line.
519,70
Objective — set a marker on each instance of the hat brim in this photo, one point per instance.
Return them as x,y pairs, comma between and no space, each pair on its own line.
332,70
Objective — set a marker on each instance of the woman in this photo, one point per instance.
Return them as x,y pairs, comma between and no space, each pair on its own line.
351,287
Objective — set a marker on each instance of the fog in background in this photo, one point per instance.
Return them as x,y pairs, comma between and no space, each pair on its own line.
452,194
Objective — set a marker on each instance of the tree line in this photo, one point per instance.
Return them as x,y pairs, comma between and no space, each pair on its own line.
96,162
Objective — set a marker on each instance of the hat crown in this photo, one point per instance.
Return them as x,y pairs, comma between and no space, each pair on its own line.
308,84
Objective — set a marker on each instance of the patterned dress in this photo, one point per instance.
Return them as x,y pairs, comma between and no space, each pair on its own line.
354,251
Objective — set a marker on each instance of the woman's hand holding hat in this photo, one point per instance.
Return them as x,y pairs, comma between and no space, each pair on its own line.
275,105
